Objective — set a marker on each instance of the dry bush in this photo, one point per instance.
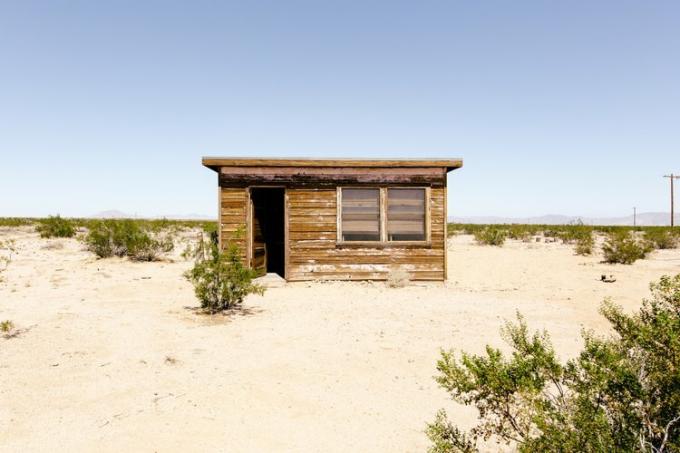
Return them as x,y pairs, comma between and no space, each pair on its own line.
625,248
491,236
127,238
662,238
7,249
8,329
56,226
585,244
398,278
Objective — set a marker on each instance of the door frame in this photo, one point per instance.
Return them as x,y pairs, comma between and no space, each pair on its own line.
249,225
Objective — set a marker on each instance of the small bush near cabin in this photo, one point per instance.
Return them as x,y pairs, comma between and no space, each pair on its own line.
210,227
619,394
661,238
491,236
127,238
624,248
220,279
56,226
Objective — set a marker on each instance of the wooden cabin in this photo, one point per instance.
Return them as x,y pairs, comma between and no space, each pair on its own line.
335,219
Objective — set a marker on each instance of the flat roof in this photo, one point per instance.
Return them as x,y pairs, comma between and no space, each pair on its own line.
215,163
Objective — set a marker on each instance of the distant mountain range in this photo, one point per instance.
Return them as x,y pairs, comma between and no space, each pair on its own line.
643,219
115,214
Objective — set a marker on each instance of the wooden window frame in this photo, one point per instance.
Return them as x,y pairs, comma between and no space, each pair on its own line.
383,242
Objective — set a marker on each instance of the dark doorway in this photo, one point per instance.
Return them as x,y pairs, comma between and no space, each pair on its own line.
268,233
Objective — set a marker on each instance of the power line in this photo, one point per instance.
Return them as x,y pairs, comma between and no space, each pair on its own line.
672,177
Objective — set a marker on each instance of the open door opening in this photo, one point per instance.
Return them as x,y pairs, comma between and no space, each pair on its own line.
268,232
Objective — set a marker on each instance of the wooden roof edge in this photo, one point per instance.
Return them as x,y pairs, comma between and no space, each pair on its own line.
215,163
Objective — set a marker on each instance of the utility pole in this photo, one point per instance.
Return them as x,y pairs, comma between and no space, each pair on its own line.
672,177
634,216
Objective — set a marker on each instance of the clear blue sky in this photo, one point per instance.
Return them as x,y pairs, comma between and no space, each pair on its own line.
556,107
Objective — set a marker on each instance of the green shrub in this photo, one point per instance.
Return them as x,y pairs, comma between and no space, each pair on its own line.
210,227
661,238
624,248
15,221
491,236
220,279
56,226
519,232
619,394
127,238
575,232
585,244
6,326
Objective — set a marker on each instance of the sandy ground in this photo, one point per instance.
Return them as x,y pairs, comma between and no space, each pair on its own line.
113,358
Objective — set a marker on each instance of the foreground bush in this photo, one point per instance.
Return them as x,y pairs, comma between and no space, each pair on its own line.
220,279
56,226
127,238
624,248
619,394
491,236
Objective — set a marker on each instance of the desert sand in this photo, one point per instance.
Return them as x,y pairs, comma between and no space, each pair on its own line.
112,356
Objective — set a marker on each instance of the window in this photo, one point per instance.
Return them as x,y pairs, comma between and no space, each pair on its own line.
383,215
360,214
405,214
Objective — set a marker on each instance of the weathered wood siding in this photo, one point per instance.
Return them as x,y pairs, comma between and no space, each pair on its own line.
315,254
233,215
329,178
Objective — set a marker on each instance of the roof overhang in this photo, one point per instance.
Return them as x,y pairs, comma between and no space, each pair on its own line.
215,163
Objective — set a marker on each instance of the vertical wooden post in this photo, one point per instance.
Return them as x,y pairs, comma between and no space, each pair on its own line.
249,228
286,235
446,231
672,177
219,212
383,213
672,202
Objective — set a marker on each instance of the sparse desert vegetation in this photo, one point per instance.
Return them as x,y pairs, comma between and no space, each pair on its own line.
585,244
493,236
621,244
118,355
6,326
137,241
625,247
662,238
7,249
56,227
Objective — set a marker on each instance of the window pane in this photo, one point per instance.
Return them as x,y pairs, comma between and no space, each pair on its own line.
406,214
360,214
